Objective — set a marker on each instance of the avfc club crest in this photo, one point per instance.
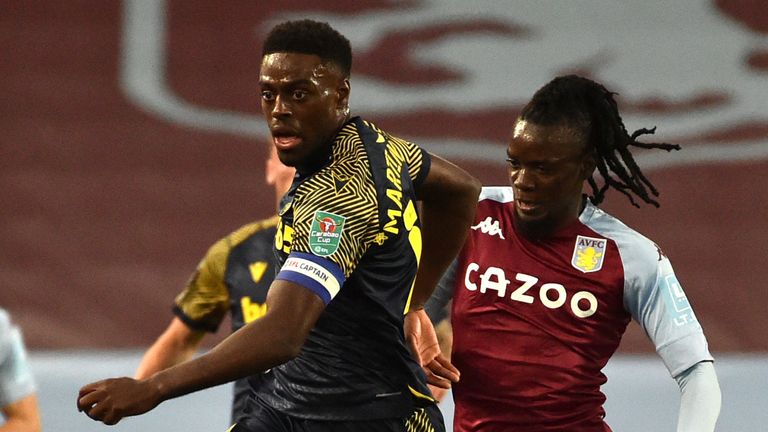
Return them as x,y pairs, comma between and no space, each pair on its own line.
325,234
588,254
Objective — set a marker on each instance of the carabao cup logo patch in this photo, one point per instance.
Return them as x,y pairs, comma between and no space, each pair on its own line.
325,234
588,254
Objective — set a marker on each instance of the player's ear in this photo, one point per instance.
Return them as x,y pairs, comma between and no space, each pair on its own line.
343,90
588,164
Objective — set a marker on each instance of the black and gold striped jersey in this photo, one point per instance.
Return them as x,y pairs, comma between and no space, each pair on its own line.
350,232
234,276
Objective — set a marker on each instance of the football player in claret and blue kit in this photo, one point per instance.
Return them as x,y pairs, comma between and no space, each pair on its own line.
547,282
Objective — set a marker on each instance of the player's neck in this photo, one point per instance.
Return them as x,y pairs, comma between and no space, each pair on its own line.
548,227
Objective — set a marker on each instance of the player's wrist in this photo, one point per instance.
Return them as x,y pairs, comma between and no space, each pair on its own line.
160,386
415,308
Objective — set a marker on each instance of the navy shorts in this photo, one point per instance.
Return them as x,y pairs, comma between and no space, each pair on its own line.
263,418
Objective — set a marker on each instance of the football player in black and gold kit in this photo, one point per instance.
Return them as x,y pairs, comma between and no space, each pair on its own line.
350,243
233,278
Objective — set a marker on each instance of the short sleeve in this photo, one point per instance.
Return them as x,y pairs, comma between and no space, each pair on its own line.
655,298
333,227
204,302
329,239
335,230
417,159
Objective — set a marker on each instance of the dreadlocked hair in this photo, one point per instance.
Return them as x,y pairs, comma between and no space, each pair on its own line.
590,107
310,37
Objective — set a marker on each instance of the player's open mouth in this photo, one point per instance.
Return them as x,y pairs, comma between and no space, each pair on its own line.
526,206
286,142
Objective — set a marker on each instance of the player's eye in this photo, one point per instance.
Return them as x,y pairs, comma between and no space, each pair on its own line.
267,95
299,94
513,163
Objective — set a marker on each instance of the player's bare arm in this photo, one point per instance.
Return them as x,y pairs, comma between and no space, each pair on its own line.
449,196
21,416
177,344
292,312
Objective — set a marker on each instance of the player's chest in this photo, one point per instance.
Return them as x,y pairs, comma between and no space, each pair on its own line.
574,278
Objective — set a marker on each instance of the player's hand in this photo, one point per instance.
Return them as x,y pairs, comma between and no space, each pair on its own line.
438,392
422,341
110,400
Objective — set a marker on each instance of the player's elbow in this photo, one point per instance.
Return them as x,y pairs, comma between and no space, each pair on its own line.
286,353
472,188
22,415
23,426
288,347
465,187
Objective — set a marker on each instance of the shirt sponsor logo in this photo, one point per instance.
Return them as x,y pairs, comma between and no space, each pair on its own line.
489,226
325,234
588,254
252,310
583,304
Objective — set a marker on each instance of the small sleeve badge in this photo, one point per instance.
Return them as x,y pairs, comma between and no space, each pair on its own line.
325,234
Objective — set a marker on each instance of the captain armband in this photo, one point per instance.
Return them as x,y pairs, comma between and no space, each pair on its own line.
319,275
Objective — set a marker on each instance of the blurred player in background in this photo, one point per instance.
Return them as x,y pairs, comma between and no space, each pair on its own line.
233,278
18,400
547,282
350,245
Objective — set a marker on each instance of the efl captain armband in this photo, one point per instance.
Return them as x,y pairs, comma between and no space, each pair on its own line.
319,275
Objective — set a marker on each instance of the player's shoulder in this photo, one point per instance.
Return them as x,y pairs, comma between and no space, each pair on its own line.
373,136
239,235
499,194
220,249
5,322
367,129
346,180
349,140
6,329
637,251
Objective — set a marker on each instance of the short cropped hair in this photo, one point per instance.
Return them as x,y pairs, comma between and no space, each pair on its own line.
310,37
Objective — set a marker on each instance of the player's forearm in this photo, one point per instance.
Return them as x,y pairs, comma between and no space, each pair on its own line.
20,425
236,357
161,356
292,311
448,209
177,344
700,399
22,416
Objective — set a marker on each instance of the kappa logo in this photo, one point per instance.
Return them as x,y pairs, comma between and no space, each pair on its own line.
588,254
489,226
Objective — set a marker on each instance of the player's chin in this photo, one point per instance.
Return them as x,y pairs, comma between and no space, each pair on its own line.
291,157
531,215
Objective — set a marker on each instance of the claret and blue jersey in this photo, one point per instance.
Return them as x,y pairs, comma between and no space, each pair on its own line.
536,320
